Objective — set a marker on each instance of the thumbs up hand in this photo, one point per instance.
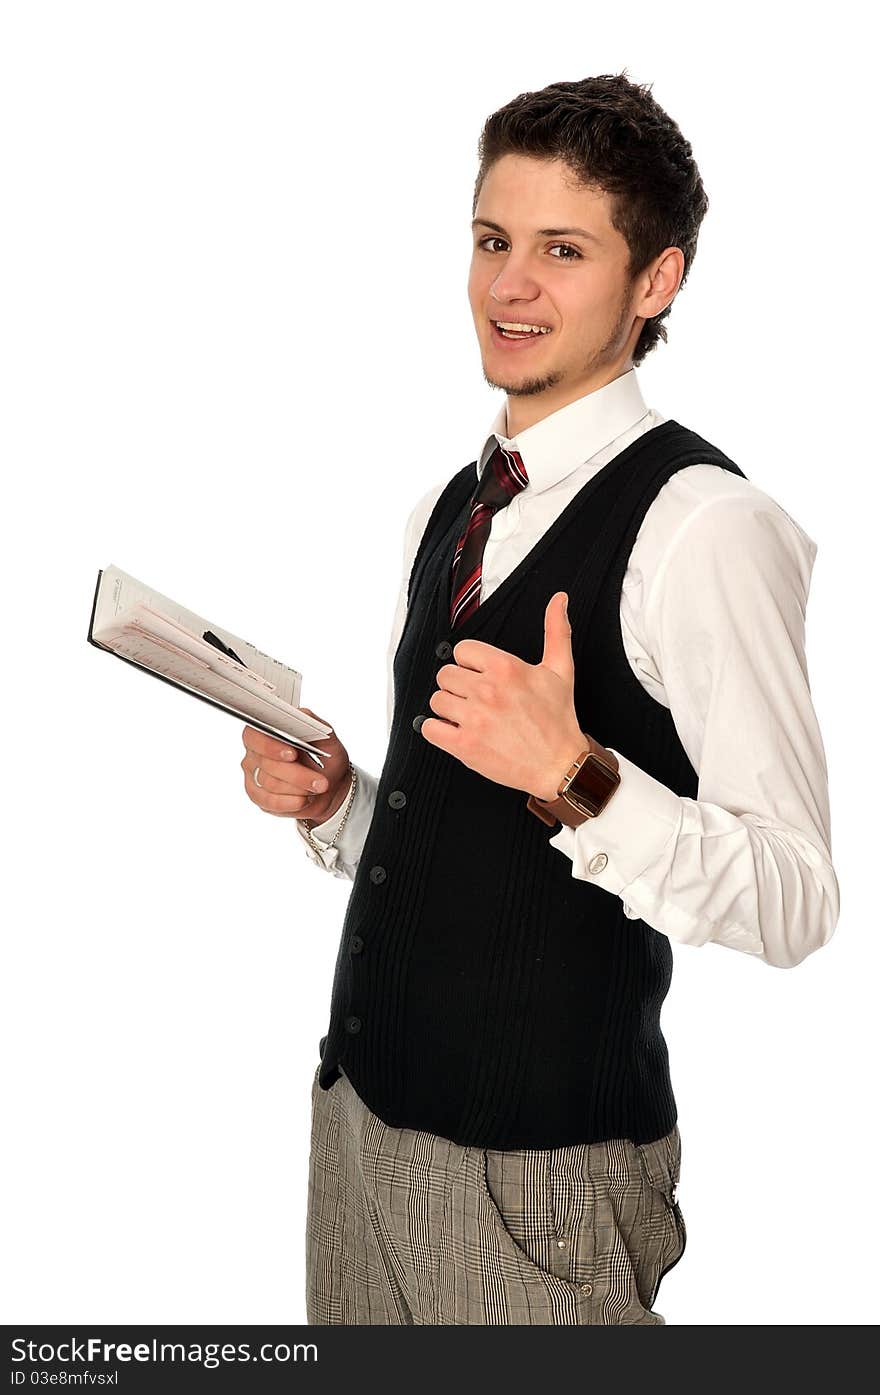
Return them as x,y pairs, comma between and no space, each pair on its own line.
511,721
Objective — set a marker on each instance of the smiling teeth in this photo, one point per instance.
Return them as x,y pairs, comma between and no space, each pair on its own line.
522,329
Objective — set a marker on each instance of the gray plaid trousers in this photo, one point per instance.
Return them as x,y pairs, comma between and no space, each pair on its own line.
407,1227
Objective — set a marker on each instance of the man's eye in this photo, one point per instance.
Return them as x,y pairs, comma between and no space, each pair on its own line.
562,246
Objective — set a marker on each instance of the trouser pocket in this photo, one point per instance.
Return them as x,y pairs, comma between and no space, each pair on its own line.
663,1224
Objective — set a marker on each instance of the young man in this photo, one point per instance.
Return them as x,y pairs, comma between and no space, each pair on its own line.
601,740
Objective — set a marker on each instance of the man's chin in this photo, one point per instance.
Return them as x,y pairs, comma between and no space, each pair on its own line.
523,387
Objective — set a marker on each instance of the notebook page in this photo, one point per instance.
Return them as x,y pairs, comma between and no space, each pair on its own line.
120,592
157,653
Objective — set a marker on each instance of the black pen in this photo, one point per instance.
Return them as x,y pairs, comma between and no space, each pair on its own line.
210,636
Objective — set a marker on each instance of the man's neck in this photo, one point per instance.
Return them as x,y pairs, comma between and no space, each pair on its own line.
523,412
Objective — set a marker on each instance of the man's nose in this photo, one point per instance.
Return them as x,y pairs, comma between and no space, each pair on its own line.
515,282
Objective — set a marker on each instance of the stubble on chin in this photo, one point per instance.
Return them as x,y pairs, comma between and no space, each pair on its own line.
529,388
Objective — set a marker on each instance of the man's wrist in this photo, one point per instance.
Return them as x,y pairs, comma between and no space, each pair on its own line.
590,780
339,799
579,743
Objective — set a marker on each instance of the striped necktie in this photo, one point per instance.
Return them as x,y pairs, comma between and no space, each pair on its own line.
504,475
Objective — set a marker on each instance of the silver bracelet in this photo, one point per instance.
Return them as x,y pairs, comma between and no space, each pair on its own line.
309,824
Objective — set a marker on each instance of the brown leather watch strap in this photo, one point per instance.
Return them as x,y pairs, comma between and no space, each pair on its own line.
545,812
590,781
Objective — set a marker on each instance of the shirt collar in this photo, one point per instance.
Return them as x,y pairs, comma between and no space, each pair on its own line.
571,435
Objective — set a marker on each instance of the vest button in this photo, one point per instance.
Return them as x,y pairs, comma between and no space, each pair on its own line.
586,1288
353,1025
417,721
444,649
397,799
598,862
378,874
357,944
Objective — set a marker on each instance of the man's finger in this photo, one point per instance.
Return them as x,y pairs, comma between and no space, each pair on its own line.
264,745
294,805
293,778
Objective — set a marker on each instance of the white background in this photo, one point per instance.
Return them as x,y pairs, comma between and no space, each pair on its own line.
236,349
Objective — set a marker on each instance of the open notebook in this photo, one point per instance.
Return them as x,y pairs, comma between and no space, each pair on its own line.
161,637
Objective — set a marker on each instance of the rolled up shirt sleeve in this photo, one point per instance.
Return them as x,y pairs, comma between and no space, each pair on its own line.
747,863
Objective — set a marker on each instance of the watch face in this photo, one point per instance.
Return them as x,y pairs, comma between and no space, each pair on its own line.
592,786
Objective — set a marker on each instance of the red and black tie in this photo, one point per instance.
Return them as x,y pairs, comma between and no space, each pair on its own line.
504,475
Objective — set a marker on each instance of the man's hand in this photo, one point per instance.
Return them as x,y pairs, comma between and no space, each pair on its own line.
287,775
511,721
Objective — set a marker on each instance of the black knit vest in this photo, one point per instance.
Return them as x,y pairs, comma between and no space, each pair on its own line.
481,991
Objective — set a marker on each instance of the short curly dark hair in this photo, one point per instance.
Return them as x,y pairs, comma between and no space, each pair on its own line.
615,137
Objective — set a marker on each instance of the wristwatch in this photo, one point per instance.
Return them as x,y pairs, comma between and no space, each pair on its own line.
584,790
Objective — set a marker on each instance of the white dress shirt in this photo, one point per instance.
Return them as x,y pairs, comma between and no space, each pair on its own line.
712,618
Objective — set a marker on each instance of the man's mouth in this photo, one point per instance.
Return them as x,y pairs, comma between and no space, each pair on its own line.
511,332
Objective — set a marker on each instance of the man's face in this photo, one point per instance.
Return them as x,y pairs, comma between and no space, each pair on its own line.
574,284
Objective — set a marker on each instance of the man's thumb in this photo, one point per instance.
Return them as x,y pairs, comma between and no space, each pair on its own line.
309,713
557,637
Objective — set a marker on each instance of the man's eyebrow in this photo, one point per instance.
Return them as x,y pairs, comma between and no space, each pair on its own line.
542,232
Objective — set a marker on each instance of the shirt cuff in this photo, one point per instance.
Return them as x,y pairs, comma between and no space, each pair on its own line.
322,856
343,859
620,844
325,832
